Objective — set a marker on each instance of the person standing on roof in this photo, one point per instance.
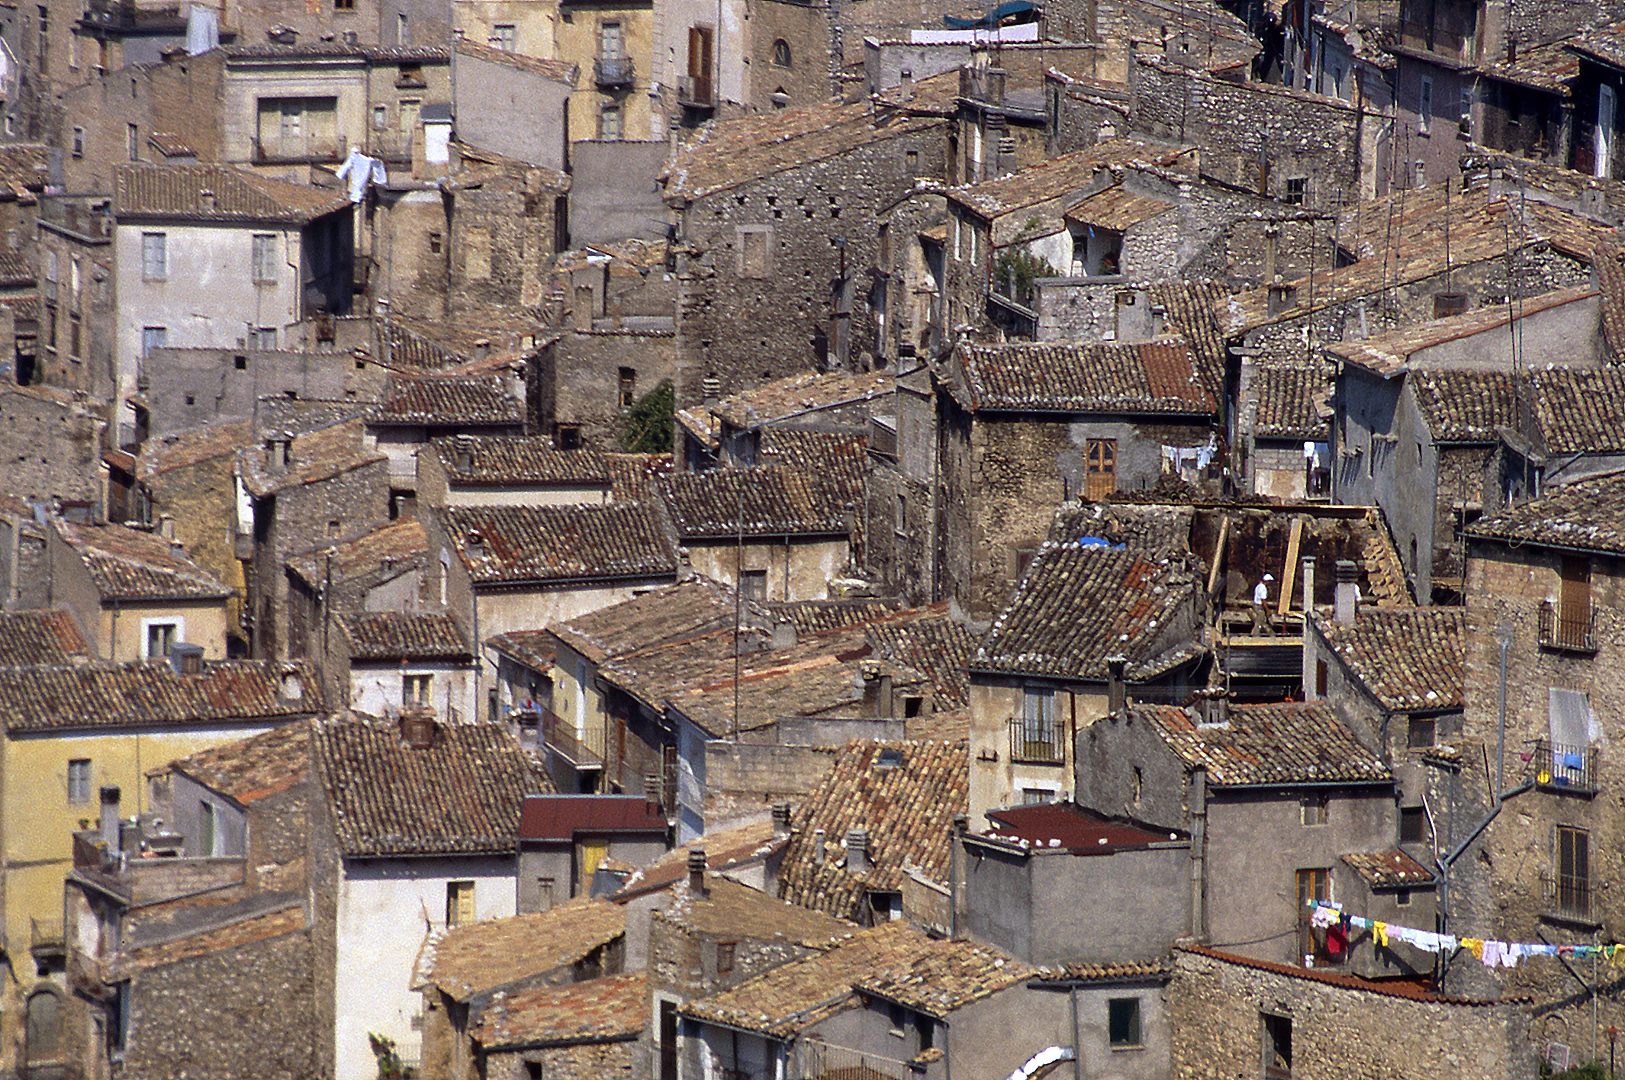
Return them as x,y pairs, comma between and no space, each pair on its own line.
1261,616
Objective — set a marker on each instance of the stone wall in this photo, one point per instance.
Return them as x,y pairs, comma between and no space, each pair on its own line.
193,388
51,441
503,234
1216,1009
582,1061
586,372
766,773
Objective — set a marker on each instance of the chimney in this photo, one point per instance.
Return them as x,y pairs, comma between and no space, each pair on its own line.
696,871
186,659
1347,593
1283,297
857,851
417,727
781,819
166,526
1307,664
205,201
784,634
109,821
906,85
652,791
1272,237
476,543
1116,693
818,845
482,348
1308,588
1212,705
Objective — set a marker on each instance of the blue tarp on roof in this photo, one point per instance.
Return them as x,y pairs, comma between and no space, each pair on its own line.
996,17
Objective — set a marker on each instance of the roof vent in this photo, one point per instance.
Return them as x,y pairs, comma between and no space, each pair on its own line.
1282,298
417,728
205,200
696,870
781,818
889,758
476,542
857,851
186,659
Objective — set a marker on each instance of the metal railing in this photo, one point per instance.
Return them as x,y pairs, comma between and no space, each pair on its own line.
1564,767
612,71
1568,894
560,735
1043,743
1568,628
298,149
811,1059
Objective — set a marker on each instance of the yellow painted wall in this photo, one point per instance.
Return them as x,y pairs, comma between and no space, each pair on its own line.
576,38
201,624
37,823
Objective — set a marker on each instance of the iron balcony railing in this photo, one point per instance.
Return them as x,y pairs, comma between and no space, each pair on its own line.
1568,627
1040,743
612,71
1564,767
1568,894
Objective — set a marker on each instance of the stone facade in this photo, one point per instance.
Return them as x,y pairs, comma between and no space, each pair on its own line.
1223,1012
51,439
584,1061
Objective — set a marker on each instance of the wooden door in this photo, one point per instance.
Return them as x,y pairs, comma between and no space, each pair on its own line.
1101,469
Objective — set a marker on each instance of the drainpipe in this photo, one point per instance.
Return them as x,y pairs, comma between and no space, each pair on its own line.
1077,1058
1503,638
1199,854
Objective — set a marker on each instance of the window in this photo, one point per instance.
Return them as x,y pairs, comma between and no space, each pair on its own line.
79,780
1402,897
1297,189
205,828
403,29
380,117
44,37
753,584
628,387
609,123
78,141
154,256
417,689
1035,796
1413,825
1123,1023
1100,469
781,53
153,337
262,337
343,5
1312,809
1424,106
1313,884
898,1016
544,894
459,903
611,43
161,636
132,139
1421,731
1038,712
1574,600
1277,1046
410,110
73,333
900,522
725,957
503,37
265,259
755,251
435,243
293,128
1573,892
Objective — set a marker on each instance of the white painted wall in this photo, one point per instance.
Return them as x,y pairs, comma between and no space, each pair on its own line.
386,907
376,688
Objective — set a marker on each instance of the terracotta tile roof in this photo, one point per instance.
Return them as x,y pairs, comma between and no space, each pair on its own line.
1465,406
728,908
1389,354
1058,178
725,849
314,456
1193,313
932,643
823,616
1071,828
252,769
1585,516
893,961
1150,529
1609,268
403,635
560,543
181,450
127,564
1605,44
1410,659
1569,233
1289,400
521,460
398,544
1115,972
613,1008
801,394
311,49
534,648
99,695
40,637
24,166
473,960
905,794
761,500
841,458
14,269
631,476
1400,988
216,193
415,346
442,401
728,153
1547,67
671,613
1080,603
1156,377
460,796
284,918
1267,744
560,71
1116,208
1389,869
1581,411
171,145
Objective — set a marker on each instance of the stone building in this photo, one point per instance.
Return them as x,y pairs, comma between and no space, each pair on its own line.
1084,619
1544,592
564,839
778,212
378,661
1226,1009
582,1031
495,86
51,436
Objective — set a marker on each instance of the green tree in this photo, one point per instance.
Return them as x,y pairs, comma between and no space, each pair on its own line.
647,427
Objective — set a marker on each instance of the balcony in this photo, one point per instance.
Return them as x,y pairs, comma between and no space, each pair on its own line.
1568,628
1560,767
559,735
46,938
297,150
696,92
612,71
1039,743
1567,896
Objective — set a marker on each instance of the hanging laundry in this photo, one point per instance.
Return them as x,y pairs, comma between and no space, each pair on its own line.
358,171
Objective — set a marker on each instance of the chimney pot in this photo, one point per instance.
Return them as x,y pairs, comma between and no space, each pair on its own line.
818,844
696,870
109,820
857,851
1116,692
781,819
1346,601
